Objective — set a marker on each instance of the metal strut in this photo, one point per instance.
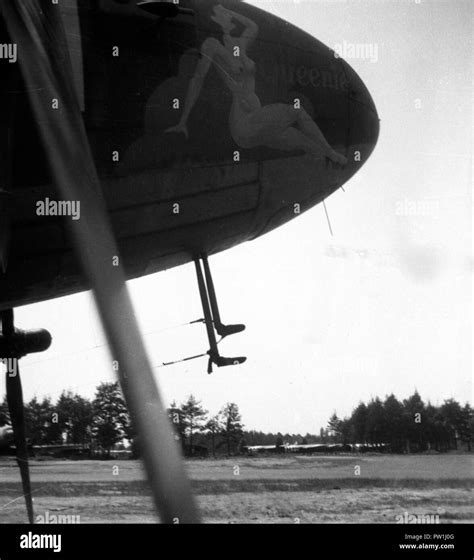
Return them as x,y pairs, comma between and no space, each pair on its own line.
222,330
14,344
212,318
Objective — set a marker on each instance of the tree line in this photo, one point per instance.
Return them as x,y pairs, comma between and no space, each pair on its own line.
100,423
405,426
103,423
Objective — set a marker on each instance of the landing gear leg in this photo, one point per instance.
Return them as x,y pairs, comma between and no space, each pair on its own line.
214,356
222,330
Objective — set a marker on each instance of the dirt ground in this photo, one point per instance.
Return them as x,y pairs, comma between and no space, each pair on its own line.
287,489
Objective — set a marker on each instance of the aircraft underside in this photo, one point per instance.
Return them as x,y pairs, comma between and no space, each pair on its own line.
136,137
186,213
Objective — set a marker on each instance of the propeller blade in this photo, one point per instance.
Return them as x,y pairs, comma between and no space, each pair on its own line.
17,416
44,61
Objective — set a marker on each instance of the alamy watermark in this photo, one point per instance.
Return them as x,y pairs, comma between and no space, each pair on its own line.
417,518
53,519
34,540
49,207
362,51
421,207
9,51
11,365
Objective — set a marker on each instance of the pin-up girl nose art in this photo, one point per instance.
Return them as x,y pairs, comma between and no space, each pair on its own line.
280,125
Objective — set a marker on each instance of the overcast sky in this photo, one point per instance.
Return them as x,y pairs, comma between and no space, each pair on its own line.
383,306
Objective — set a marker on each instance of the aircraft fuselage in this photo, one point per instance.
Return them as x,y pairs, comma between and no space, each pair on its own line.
207,131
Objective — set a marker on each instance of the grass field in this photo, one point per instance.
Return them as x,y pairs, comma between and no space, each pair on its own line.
286,489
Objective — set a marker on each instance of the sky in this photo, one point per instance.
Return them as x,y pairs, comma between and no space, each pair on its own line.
384,306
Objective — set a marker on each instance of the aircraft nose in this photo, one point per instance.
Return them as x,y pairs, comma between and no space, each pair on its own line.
363,122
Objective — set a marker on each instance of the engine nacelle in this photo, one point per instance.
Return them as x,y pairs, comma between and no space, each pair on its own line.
25,342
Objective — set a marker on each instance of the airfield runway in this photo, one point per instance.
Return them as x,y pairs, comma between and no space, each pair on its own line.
286,489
